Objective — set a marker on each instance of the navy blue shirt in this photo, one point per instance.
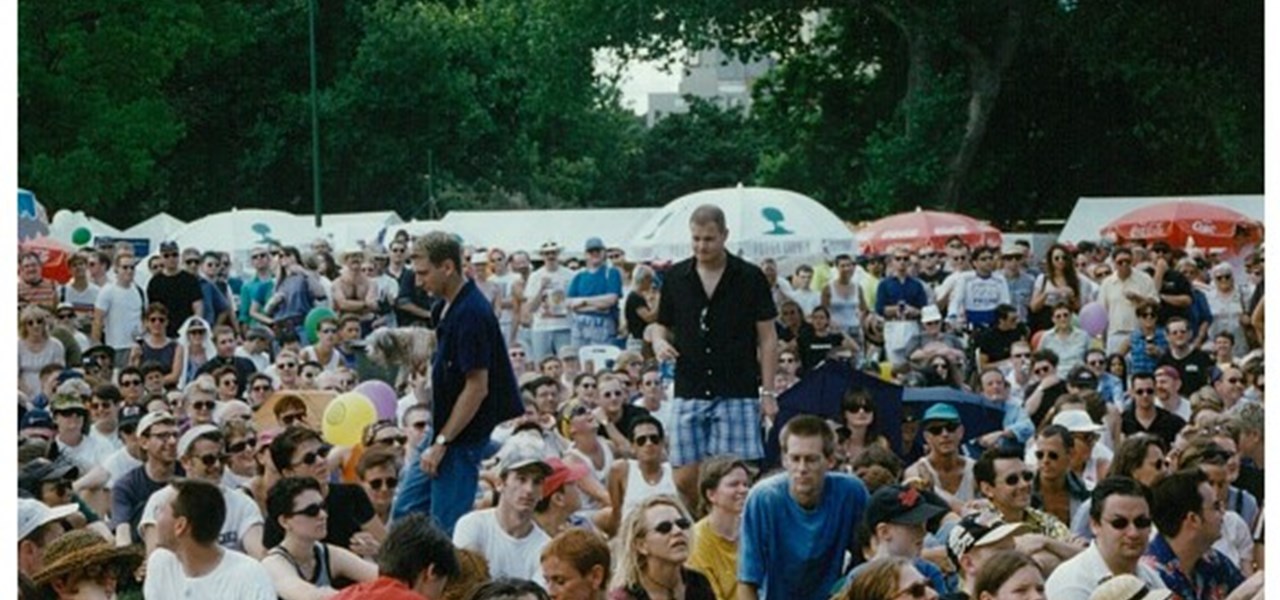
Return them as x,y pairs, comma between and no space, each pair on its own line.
467,339
892,291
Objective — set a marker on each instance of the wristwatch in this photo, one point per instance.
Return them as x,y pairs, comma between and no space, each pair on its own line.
441,440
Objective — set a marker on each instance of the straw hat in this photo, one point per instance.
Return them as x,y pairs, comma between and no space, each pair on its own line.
81,549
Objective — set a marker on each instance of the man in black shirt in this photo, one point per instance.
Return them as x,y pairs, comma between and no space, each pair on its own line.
994,343
1175,290
1145,415
1193,363
715,319
178,290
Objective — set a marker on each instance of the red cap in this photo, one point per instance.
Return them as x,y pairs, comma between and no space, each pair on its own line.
561,474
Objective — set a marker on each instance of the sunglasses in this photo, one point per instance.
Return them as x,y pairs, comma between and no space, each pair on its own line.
204,405
389,482
60,487
261,388
292,418
328,330
1147,315
197,332
1222,277
941,427
102,405
67,413
311,458
1041,454
857,407
1122,523
169,254
1041,370
644,440
1096,363
259,255
665,527
615,256
157,320
242,445
1012,479
209,459
395,440
35,322
192,261
312,510
1142,391
918,589
130,382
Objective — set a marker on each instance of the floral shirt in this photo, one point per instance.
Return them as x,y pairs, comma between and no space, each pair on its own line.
1214,577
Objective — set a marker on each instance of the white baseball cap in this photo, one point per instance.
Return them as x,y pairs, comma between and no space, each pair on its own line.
930,313
195,433
1077,421
32,514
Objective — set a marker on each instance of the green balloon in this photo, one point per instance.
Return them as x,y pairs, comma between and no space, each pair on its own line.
81,236
312,322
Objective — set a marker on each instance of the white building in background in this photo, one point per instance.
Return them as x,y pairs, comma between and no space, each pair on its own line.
711,75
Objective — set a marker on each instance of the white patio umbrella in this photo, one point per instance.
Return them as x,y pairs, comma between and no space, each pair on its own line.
762,222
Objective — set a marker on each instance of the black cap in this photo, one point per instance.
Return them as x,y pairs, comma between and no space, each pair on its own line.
1082,377
900,505
41,470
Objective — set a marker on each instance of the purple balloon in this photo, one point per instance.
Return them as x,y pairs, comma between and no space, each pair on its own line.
382,396
1093,319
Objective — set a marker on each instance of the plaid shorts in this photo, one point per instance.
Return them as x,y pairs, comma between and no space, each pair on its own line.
706,428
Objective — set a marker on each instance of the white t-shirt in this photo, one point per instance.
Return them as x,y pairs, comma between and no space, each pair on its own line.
553,313
89,453
508,556
1078,577
119,463
236,576
242,514
112,439
83,301
260,361
122,314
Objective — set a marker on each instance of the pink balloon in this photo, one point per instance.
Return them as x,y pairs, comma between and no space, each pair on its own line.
382,396
1093,319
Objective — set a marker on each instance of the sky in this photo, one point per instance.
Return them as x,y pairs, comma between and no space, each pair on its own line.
640,78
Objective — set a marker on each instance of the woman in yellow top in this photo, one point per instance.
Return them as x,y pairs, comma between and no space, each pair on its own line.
722,488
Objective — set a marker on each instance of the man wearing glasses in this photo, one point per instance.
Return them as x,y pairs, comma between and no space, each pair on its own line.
178,290
1006,483
200,451
129,495
1121,294
117,312
1120,517
593,297
256,292
899,300
950,473
1145,415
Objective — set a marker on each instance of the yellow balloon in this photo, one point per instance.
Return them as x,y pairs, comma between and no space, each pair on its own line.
346,417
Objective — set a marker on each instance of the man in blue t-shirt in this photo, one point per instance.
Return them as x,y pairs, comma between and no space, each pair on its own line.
593,297
798,526
474,388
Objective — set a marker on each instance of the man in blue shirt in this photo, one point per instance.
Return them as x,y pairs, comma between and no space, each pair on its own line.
899,300
474,388
798,525
593,297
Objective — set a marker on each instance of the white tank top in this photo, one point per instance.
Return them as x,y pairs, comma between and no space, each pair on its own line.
844,309
601,474
964,493
639,490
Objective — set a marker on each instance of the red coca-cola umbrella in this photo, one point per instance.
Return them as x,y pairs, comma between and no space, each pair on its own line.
1176,221
923,228
53,255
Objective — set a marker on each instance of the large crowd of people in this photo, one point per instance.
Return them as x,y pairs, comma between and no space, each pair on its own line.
595,427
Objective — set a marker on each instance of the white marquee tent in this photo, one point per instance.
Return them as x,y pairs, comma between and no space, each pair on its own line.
157,228
527,230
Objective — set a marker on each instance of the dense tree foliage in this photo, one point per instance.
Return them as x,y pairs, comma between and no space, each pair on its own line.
1001,108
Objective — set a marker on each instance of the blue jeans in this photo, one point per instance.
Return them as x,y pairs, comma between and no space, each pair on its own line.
548,343
447,496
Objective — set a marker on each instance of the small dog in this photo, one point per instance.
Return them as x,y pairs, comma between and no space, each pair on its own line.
409,348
